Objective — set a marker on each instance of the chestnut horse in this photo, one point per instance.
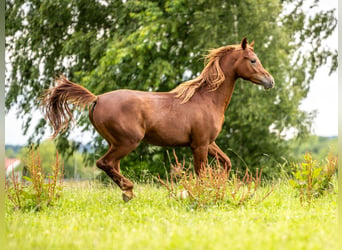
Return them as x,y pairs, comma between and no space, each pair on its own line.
191,115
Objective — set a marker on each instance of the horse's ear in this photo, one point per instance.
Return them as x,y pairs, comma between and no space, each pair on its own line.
252,44
244,43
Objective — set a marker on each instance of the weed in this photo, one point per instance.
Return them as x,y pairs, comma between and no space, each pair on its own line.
311,179
214,185
245,189
38,190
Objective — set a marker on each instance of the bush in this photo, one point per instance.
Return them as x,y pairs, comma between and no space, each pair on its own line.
311,179
36,190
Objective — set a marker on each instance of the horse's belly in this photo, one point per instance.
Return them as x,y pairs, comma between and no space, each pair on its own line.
167,137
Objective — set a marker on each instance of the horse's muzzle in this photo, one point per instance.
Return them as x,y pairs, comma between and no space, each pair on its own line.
267,82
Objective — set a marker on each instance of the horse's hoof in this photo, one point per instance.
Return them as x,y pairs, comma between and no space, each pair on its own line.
127,196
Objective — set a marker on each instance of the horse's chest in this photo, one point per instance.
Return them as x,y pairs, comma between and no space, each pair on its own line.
216,129
209,128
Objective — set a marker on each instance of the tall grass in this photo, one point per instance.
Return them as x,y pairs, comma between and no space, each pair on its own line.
214,185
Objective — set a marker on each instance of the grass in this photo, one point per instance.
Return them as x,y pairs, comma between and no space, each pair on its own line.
92,216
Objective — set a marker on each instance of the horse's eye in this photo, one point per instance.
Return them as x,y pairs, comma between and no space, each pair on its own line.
253,60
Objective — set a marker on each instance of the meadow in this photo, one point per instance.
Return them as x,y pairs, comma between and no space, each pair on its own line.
89,215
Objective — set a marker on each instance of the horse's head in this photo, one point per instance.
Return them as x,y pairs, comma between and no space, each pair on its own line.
232,61
248,66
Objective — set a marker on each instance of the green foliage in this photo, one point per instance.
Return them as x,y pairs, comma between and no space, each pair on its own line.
155,45
10,153
39,190
317,146
311,179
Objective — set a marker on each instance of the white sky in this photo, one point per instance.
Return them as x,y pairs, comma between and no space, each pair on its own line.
323,97
323,94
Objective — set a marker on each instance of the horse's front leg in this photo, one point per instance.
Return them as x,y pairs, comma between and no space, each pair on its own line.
200,155
215,151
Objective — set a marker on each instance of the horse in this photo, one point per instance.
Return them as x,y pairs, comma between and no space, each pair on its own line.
191,115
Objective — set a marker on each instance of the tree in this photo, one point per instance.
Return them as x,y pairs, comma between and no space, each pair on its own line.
155,45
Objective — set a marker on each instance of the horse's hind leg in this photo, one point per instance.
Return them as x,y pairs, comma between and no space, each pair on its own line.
110,163
215,151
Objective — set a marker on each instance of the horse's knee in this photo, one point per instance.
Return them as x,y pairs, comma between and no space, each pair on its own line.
99,164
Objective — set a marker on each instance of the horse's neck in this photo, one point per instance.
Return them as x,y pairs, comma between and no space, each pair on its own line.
221,97
224,93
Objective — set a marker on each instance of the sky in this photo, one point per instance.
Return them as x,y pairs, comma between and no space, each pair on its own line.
323,94
322,97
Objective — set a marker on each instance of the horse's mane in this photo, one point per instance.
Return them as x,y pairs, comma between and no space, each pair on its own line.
211,76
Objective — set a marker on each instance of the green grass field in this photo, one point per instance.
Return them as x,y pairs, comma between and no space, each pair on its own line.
92,216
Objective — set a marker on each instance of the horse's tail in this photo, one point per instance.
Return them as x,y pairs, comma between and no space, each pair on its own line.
55,103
